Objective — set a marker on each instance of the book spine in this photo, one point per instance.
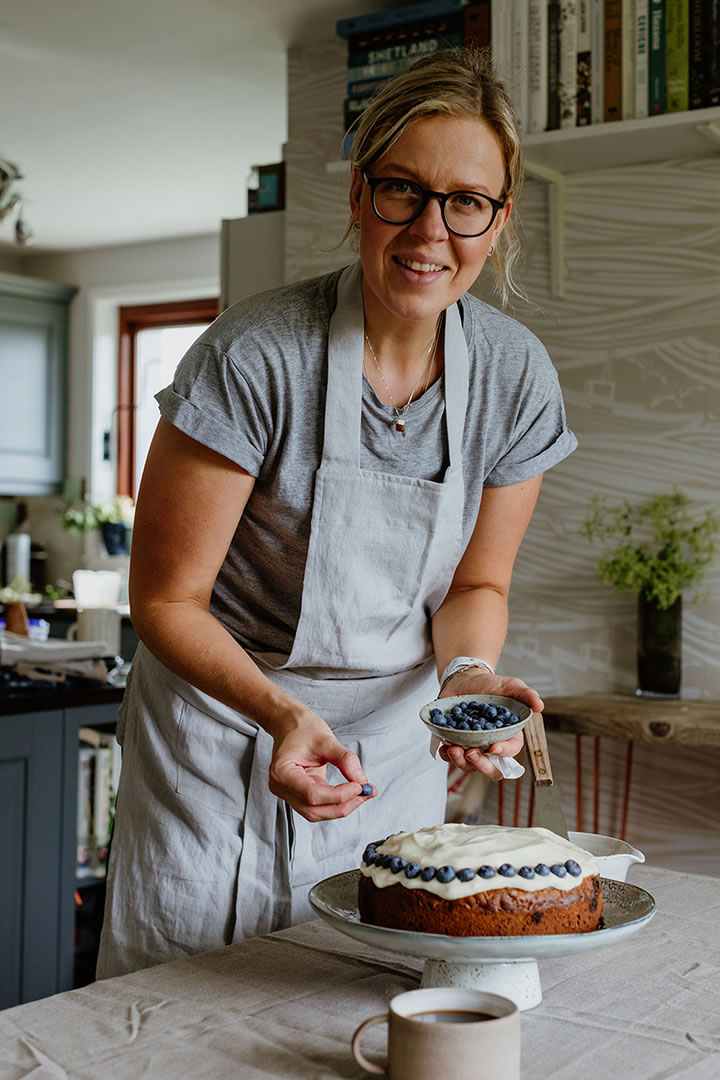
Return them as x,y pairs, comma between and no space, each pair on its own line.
408,41
584,63
84,824
713,54
363,88
641,58
656,59
353,108
677,25
476,30
501,38
101,804
627,60
537,66
567,83
597,63
377,20
700,31
613,60
553,65
520,60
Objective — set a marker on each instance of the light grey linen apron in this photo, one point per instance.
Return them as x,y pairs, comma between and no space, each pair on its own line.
203,854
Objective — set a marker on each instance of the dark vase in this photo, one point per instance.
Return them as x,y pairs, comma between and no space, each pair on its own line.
659,647
114,536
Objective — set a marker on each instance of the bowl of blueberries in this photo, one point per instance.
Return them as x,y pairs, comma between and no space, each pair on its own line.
475,721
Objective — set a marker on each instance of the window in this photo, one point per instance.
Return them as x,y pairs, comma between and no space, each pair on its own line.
153,339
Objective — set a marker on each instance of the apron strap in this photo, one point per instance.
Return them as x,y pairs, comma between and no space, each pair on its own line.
343,402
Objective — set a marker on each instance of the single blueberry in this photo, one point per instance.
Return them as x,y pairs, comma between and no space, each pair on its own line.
412,869
428,873
445,874
573,868
491,712
514,718
558,870
436,712
507,870
463,726
397,864
439,720
466,874
526,872
542,869
486,872
456,710
452,723
499,723
502,710
385,861
474,704
366,789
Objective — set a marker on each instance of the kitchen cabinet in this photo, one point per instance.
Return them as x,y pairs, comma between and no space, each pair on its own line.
38,808
33,369
252,255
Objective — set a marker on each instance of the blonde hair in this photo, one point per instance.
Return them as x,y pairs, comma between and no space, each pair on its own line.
457,82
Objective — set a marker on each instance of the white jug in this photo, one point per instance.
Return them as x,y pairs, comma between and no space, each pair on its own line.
613,856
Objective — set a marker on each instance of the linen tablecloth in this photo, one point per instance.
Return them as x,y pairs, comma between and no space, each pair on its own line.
286,1005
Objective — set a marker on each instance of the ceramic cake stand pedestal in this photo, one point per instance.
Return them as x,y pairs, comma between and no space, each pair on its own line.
500,965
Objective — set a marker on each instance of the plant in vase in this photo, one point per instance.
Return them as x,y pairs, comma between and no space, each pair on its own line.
660,550
113,518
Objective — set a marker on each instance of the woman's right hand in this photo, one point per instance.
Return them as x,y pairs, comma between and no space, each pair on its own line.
298,771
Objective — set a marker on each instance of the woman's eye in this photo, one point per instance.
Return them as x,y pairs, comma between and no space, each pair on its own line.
466,201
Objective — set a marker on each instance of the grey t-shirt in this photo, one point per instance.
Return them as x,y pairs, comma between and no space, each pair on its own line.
253,388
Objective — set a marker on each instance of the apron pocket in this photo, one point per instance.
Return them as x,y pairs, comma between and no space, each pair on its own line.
214,762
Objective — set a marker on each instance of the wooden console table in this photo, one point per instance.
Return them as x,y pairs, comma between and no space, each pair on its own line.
677,721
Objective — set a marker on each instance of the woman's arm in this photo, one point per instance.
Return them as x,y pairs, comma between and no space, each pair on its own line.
188,508
472,620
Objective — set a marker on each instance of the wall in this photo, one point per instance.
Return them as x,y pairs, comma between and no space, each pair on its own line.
636,342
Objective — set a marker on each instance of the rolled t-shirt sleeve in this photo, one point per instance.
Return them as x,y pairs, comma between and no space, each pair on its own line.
540,437
212,402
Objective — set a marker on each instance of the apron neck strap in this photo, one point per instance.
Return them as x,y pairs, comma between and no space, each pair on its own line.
343,403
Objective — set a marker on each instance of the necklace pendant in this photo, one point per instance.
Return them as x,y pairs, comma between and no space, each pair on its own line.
400,426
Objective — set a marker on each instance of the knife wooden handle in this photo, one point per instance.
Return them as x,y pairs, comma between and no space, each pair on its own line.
537,749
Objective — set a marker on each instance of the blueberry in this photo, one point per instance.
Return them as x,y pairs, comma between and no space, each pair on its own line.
475,725
366,789
542,869
491,712
507,870
439,720
452,723
526,872
463,726
428,873
573,868
558,870
514,718
412,869
499,723
456,711
384,861
474,704
436,712
445,874
486,872
466,874
397,864
502,710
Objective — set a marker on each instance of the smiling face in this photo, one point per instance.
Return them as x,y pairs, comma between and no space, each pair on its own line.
413,272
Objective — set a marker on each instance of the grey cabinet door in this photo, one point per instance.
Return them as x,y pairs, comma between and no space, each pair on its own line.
31,760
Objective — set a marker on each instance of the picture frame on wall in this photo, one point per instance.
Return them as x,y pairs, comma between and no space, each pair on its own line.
270,191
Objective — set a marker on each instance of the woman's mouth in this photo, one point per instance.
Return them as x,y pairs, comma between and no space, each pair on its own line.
419,267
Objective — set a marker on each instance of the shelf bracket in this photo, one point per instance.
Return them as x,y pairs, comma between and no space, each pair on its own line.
556,182
711,130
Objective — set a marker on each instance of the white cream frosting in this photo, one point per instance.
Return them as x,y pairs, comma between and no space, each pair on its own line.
480,845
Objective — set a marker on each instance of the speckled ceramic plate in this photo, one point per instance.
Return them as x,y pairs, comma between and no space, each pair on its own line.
626,908
475,738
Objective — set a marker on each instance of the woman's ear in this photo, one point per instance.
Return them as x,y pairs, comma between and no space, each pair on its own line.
501,220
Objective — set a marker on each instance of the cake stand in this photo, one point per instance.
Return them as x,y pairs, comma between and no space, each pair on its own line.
499,965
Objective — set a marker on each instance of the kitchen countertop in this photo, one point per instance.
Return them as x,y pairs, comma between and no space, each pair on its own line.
32,700
285,1006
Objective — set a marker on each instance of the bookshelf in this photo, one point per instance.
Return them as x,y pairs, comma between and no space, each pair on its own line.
553,155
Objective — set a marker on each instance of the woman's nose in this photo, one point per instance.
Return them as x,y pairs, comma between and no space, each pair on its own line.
430,223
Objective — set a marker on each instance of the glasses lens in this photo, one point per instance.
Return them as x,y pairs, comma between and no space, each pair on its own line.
397,200
468,213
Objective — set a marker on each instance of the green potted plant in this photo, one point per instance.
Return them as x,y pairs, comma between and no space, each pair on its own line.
660,549
114,518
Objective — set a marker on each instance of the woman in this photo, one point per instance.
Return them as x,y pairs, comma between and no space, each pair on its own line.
332,504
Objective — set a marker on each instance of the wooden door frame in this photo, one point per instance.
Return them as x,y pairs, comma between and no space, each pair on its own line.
131,321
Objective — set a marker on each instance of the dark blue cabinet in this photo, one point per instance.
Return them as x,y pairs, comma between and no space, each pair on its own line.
38,810
33,373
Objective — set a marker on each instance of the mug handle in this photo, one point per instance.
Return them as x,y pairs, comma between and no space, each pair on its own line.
72,632
357,1052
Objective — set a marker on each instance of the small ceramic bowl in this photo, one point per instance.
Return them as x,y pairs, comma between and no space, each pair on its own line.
475,738
614,857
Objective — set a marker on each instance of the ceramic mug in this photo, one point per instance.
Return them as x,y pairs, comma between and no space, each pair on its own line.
97,624
447,1031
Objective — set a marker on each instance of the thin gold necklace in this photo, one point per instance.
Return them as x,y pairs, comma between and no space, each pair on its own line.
399,421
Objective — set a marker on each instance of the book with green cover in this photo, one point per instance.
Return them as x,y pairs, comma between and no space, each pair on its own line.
656,59
677,44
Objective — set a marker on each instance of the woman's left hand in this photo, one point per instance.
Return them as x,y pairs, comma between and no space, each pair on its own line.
479,682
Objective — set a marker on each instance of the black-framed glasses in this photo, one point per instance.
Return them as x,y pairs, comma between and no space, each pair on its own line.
398,202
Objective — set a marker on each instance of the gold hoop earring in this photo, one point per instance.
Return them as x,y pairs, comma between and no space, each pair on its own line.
491,250
356,226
